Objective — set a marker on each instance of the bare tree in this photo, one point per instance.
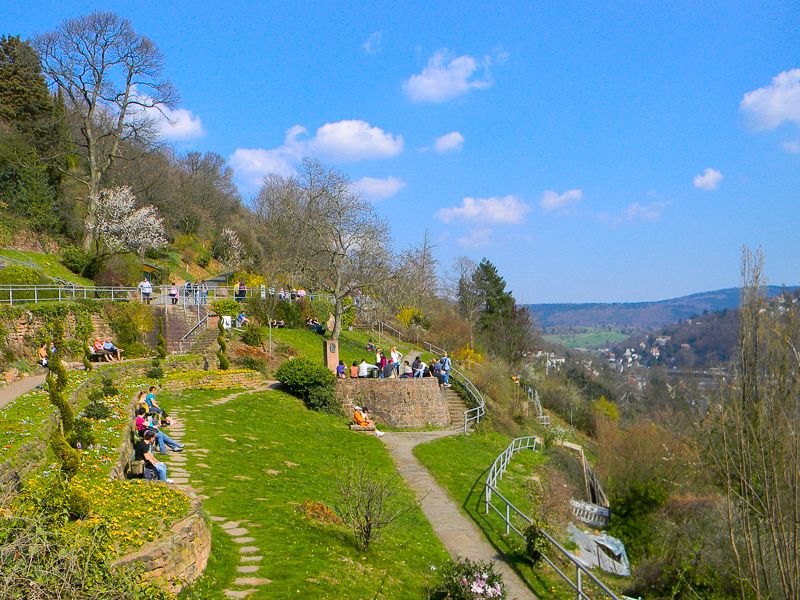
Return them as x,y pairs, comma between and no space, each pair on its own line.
111,79
754,447
461,288
331,236
368,501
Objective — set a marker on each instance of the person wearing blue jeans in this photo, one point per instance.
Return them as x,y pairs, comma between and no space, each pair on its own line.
445,361
162,438
141,451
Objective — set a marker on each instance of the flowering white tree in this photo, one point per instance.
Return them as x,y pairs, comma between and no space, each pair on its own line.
117,226
232,248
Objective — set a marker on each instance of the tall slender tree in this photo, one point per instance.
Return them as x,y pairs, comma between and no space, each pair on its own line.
112,80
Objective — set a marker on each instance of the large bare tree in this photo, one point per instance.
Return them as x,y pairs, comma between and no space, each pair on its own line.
333,238
111,79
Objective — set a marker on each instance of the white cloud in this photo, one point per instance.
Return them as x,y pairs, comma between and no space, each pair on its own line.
348,141
373,188
252,165
342,141
505,210
178,124
449,141
173,124
552,200
708,180
776,103
642,212
477,238
444,78
792,146
373,43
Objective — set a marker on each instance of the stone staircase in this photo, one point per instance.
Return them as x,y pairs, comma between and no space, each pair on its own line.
455,406
177,322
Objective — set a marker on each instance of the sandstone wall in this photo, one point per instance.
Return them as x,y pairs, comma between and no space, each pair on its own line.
396,402
179,557
20,333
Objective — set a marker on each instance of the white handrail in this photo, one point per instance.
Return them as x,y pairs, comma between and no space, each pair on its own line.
499,466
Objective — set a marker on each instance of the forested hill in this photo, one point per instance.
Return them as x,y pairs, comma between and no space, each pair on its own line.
637,316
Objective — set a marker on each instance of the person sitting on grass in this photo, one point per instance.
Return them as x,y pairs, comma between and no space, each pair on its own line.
340,370
164,441
354,370
112,350
242,320
142,451
361,418
153,407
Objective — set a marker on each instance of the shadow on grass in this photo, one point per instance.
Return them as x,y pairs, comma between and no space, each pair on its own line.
511,549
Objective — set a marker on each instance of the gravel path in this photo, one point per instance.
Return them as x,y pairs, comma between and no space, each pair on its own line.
458,533
14,390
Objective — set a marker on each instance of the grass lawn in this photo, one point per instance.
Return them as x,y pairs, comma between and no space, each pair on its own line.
352,344
464,480
48,264
283,456
588,337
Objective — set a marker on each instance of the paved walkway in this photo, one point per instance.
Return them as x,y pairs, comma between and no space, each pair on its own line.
458,533
14,390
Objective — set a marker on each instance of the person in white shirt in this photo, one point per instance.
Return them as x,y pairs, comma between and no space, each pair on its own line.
364,368
146,289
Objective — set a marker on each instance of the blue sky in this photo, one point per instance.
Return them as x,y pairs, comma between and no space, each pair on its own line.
593,152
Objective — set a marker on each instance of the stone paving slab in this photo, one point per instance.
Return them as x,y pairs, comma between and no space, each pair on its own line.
249,549
244,540
243,581
239,593
247,569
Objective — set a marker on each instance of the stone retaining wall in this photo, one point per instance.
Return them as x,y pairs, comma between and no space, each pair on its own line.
396,402
179,557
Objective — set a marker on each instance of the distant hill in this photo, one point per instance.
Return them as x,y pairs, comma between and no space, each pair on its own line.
632,317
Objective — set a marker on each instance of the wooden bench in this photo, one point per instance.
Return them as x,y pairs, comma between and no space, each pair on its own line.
367,429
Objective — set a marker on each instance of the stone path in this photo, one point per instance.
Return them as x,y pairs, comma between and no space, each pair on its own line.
458,533
14,390
247,581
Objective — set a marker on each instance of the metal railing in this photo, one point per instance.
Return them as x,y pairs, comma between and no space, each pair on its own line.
61,292
508,512
533,398
471,415
202,321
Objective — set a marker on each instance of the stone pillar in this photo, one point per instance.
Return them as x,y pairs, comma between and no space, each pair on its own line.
330,354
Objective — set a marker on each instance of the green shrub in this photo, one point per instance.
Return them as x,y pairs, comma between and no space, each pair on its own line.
222,357
290,313
203,257
156,371
81,433
97,409
19,275
313,382
324,400
108,387
226,306
535,542
254,335
130,322
464,579
252,363
161,346
75,259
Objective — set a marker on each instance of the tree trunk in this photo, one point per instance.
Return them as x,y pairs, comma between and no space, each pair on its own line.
338,312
